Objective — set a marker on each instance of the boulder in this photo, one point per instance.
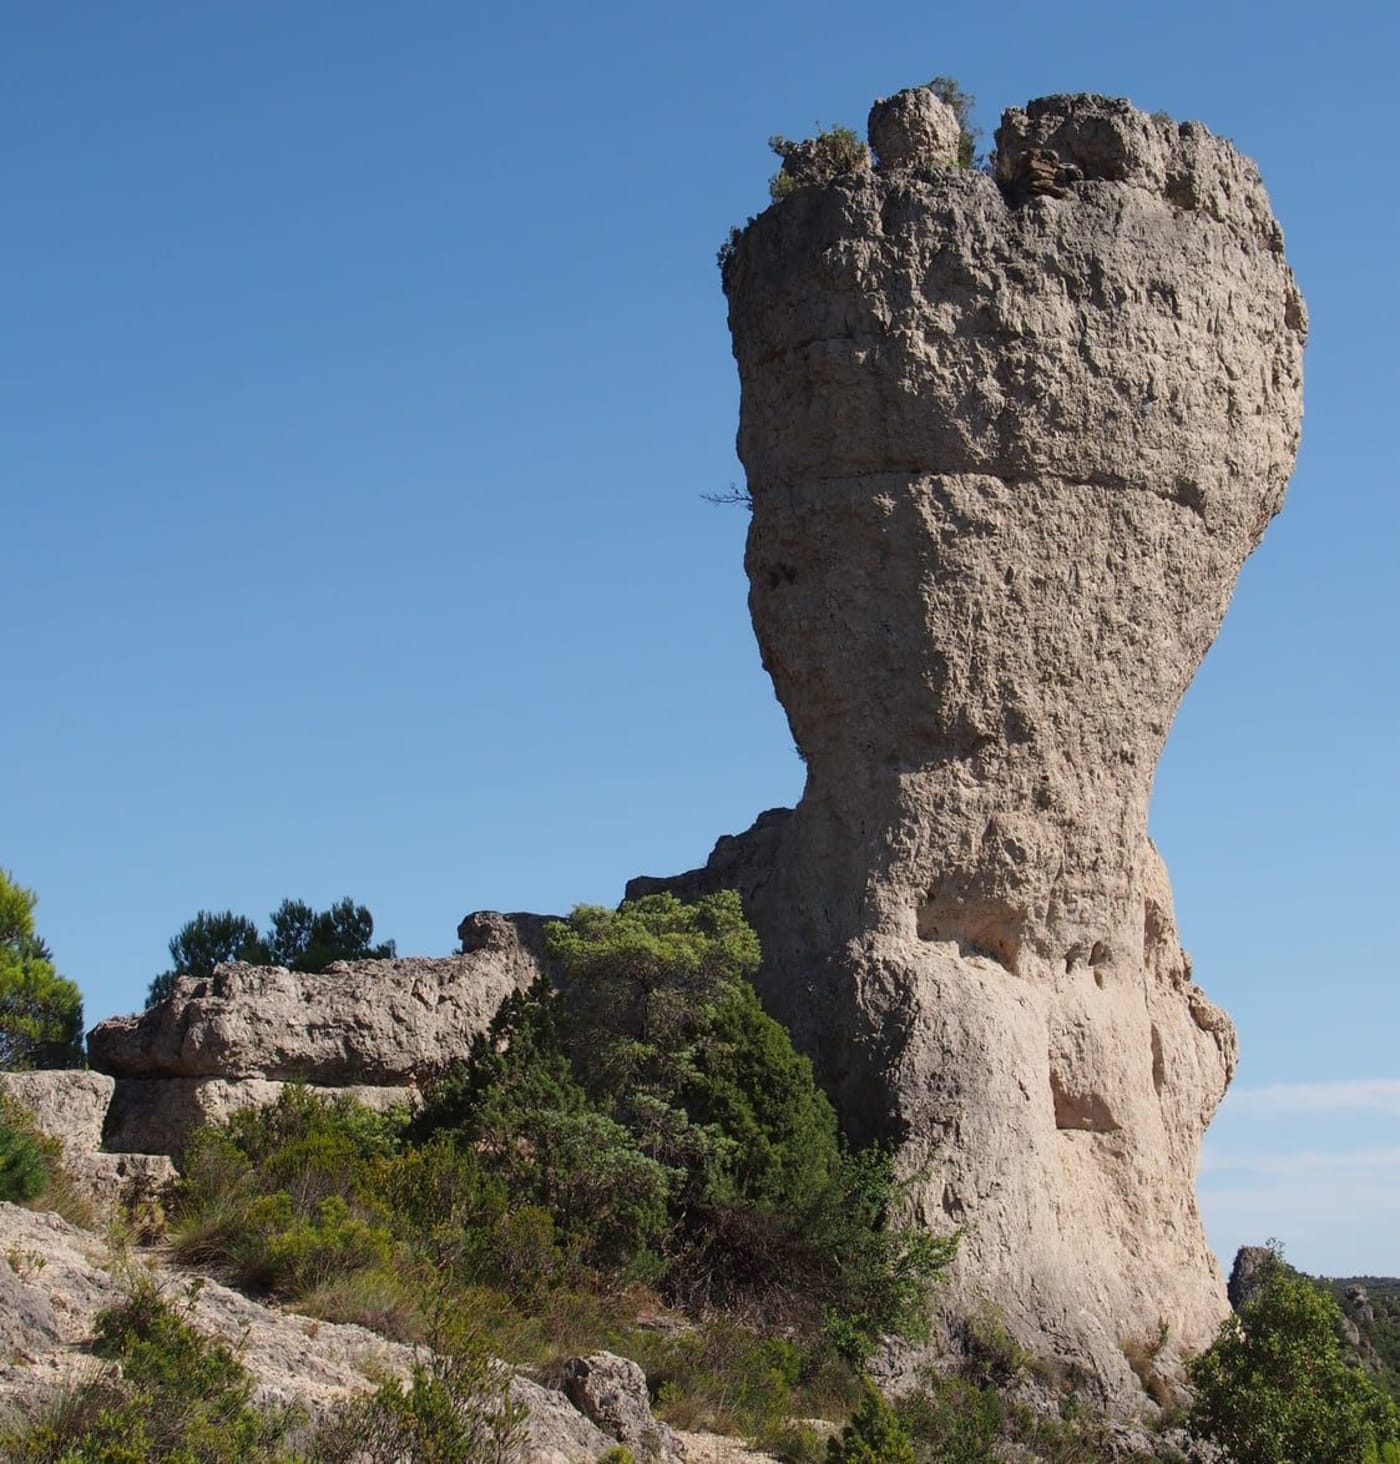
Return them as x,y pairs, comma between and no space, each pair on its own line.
158,1115
612,1392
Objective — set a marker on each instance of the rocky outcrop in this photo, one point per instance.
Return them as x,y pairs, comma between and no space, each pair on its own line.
381,1023
69,1105
612,1391
1251,1262
55,1278
72,1106
1009,441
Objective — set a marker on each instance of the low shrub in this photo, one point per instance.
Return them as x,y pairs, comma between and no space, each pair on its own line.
175,1394
833,151
24,1174
286,1197
873,1436
456,1409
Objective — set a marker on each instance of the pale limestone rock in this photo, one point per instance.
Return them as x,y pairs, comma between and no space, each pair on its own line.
67,1104
64,1276
377,1023
1009,443
913,129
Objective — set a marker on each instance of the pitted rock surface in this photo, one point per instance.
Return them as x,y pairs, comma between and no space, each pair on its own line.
1007,452
378,1023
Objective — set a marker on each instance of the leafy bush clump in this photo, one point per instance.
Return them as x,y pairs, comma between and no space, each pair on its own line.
873,1436
285,1199
833,151
667,1126
1275,1387
456,1407
24,1174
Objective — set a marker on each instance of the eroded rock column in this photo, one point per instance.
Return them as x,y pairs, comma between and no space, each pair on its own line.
1009,442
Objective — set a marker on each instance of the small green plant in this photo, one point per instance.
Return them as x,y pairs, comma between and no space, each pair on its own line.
833,151
1142,1354
455,1409
24,1175
25,1264
992,1355
873,1436
953,1420
964,104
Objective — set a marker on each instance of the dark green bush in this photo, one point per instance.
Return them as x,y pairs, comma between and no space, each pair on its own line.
666,1124
1274,1387
297,936
24,1173
41,1012
873,1436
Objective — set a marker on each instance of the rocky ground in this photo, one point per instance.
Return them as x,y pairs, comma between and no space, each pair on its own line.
55,1278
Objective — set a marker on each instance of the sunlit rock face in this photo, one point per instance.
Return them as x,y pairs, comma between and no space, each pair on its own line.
1009,441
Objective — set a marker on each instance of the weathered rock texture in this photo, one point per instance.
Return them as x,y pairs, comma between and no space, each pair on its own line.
67,1104
1009,442
377,1023
54,1279
612,1392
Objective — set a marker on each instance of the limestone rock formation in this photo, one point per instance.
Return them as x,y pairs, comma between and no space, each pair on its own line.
356,1023
367,1029
67,1104
1009,441
158,1115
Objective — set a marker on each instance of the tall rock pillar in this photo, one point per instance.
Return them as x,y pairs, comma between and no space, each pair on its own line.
1009,441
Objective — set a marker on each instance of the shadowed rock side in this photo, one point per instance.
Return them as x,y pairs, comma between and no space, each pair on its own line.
1009,441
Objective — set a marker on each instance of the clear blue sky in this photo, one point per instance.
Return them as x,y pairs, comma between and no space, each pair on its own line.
364,366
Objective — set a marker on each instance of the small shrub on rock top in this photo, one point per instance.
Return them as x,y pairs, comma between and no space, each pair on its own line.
833,151
963,103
